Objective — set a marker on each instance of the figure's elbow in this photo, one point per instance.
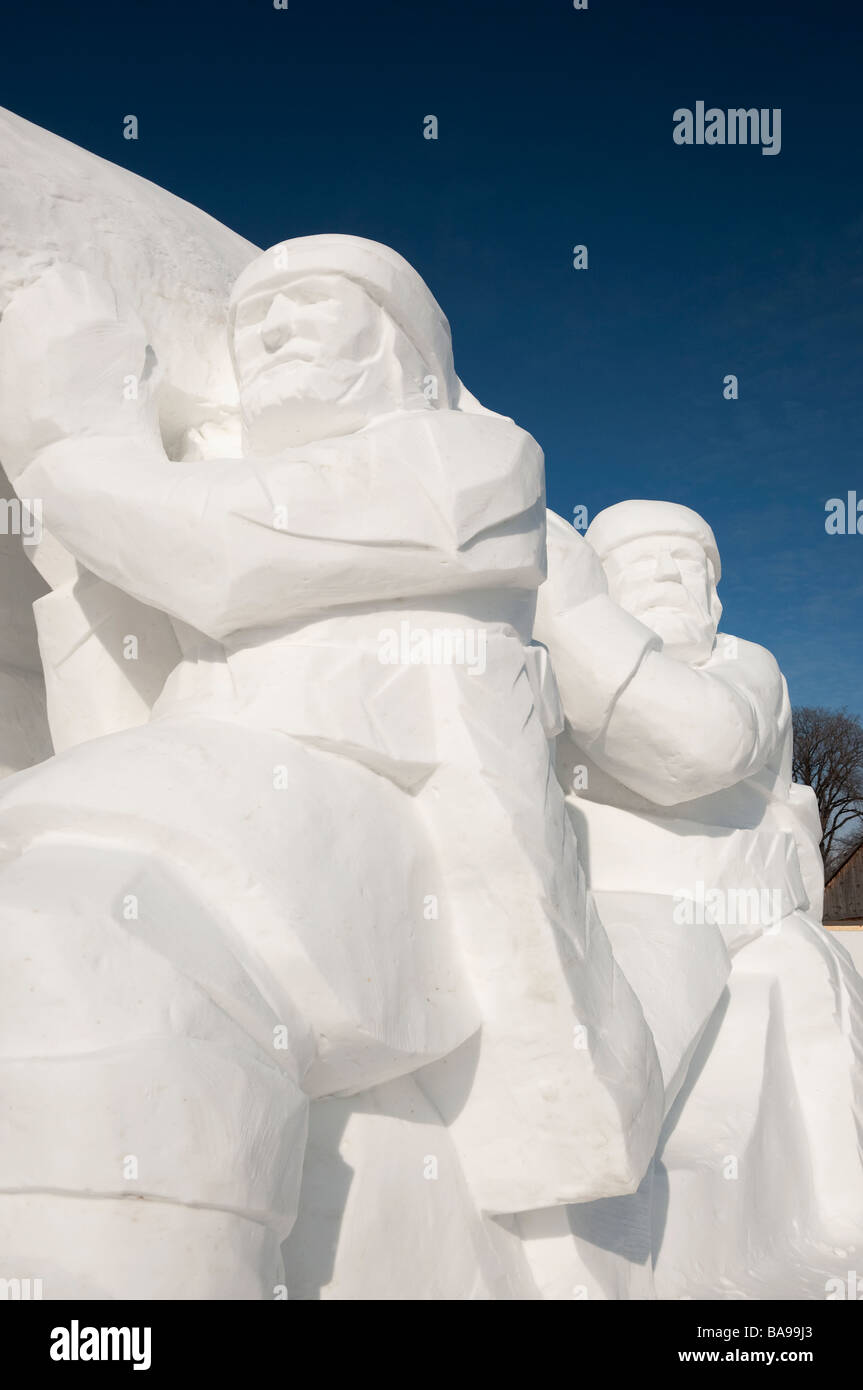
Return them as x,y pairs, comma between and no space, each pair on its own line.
707,762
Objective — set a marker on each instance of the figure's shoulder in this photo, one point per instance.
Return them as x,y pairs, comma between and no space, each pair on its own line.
730,648
483,469
755,665
460,432
562,535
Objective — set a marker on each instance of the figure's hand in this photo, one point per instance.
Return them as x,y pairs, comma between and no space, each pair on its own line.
584,569
575,572
72,364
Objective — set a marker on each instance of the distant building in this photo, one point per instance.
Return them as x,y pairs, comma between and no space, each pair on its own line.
843,893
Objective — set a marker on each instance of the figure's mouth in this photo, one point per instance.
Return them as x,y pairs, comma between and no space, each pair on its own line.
667,601
294,358
661,613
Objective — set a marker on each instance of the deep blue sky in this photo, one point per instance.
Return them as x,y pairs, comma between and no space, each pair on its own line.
555,129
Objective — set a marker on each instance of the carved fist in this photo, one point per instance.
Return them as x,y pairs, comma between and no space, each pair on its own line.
72,364
574,568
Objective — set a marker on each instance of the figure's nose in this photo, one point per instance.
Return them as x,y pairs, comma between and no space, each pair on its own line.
277,325
665,569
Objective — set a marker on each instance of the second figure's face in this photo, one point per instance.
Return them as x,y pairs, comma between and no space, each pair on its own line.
667,582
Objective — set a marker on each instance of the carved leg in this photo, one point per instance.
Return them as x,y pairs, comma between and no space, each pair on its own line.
153,1142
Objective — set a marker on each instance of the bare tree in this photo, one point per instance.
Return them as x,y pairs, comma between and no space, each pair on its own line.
828,756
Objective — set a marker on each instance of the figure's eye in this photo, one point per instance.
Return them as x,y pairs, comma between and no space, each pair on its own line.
249,313
317,301
310,294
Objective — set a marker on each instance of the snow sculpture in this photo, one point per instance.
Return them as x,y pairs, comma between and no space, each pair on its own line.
295,939
703,859
174,267
337,851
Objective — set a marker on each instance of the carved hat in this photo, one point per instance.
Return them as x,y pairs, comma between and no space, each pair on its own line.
639,519
384,275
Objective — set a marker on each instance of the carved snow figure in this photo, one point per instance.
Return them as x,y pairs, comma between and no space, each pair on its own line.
703,859
329,848
321,865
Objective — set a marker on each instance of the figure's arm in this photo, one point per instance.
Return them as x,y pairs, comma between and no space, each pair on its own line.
414,507
235,544
668,731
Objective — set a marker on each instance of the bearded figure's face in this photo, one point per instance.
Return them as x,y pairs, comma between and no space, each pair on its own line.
315,358
668,583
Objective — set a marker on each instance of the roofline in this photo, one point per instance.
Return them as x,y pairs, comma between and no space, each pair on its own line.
849,856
